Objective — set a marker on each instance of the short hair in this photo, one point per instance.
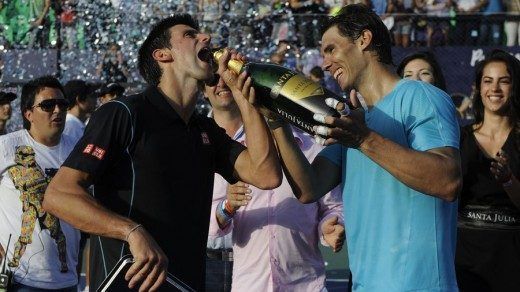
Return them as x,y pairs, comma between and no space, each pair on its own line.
429,58
113,44
317,72
353,19
513,68
31,89
77,89
159,38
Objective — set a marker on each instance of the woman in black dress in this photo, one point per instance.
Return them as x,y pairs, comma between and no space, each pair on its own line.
488,245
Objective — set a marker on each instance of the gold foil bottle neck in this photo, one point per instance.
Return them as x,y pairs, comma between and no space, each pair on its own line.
233,65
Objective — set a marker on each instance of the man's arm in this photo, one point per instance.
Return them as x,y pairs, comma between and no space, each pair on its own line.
40,18
258,164
308,182
434,172
66,198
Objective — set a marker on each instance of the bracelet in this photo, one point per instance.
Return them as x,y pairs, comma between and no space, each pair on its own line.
228,209
221,211
132,230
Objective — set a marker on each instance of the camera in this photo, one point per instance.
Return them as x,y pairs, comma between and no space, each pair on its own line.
5,281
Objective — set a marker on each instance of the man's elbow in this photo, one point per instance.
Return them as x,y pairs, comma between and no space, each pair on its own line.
48,199
306,199
270,181
450,191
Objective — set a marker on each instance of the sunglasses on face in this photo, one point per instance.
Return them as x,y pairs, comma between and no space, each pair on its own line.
49,105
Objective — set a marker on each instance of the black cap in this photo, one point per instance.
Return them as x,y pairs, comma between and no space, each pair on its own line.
6,97
113,88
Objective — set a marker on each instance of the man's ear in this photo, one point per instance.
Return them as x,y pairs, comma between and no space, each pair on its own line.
365,39
162,55
28,115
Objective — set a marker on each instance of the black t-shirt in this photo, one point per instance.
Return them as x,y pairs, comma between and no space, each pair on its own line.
479,185
147,164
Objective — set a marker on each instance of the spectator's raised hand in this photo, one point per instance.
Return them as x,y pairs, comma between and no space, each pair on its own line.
238,195
333,233
500,167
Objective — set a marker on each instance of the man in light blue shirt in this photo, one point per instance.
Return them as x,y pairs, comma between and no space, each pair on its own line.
403,171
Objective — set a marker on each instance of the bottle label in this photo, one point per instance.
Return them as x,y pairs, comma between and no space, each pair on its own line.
295,87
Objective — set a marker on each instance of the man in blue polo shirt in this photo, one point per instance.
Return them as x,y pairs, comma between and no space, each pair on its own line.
403,170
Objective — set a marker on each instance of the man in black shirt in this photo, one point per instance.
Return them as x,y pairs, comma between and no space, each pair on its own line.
152,160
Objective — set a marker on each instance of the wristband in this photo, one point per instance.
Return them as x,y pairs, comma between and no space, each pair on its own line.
221,211
132,230
228,209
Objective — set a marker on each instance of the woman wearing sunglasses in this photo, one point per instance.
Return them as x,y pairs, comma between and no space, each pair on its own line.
28,159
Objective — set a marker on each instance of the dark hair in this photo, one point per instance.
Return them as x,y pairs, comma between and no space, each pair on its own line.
31,89
317,72
513,68
429,58
159,38
77,89
353,19
110,45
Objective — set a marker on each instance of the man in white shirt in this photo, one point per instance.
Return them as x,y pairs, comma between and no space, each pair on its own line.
82,105
43,250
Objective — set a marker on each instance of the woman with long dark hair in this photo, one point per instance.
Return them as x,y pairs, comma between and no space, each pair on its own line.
488,245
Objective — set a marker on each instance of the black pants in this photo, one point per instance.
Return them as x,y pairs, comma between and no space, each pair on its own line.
218,275
488,260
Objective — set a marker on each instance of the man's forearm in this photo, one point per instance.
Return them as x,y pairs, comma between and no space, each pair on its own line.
297,168
82,211
261,149
436,174
45,10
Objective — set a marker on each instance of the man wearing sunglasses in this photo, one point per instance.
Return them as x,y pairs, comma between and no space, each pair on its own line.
152,160
43,250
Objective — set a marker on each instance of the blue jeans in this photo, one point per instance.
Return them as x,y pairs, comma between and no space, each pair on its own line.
24,288
218,275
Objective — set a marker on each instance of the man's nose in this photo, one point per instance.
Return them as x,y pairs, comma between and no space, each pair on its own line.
326,65
204,37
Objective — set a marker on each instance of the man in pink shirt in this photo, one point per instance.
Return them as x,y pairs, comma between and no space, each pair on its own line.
275,237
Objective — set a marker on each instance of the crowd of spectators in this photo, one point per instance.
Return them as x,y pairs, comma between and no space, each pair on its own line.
92,24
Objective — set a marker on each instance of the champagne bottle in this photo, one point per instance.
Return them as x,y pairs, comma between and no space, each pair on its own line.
290,95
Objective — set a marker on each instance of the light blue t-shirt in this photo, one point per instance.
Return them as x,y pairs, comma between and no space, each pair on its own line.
494,6
379,6
400,239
